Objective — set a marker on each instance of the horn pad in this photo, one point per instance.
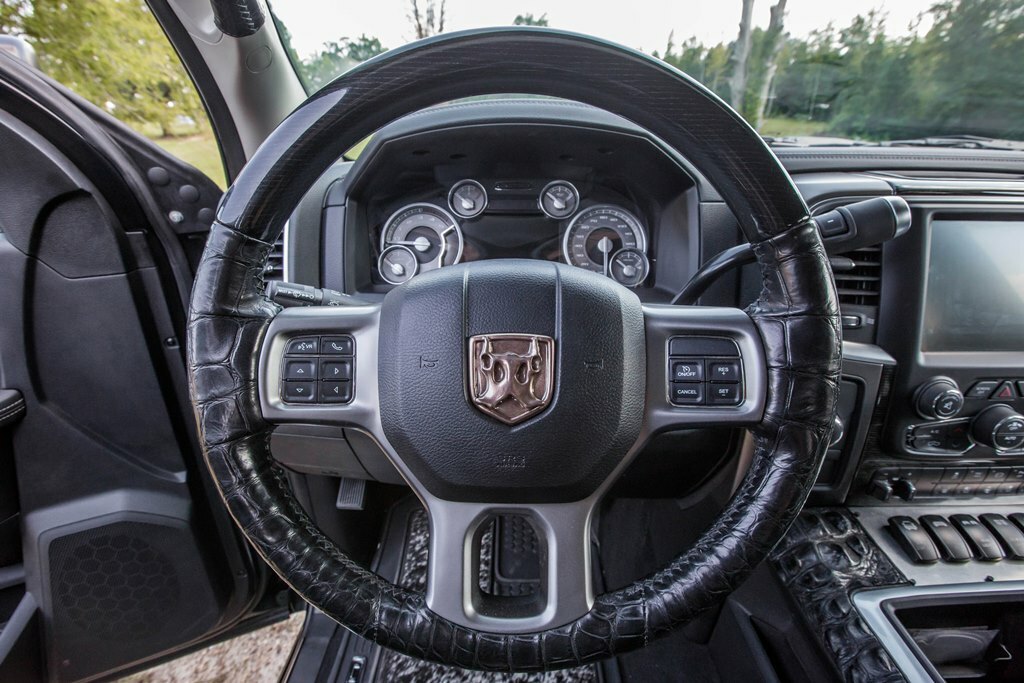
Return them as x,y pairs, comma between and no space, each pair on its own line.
512,380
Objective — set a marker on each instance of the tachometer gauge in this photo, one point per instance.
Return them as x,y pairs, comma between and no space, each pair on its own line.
397,264
467,199
559,199
597,233
629,267
429,232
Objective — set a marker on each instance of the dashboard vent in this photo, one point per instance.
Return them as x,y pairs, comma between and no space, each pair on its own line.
275,264
858,276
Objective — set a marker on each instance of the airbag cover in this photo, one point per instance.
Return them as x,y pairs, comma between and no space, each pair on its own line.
563,452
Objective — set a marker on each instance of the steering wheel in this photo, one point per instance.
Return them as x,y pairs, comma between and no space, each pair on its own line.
514,386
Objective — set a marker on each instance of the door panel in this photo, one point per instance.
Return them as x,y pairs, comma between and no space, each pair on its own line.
124,550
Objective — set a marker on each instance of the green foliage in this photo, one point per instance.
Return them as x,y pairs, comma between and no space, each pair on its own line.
529,20
965,75
335,58
113,53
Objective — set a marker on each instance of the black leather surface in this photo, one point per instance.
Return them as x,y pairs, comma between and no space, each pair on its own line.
796,314
824,558
238,18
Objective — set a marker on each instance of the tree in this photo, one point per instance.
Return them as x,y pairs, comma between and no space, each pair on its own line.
774,38
113,53
429,20
337,57
530,20
740,55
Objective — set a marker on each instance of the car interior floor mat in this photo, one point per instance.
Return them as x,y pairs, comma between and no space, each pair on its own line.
514,548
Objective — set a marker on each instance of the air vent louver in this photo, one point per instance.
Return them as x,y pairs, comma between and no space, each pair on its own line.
858,276
275,264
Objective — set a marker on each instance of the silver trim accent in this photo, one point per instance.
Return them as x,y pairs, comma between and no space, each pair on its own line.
285,269
870,604
456,186
875,519
564,527
540,199
435,207
641,239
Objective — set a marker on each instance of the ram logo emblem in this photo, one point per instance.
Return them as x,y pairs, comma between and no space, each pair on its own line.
511,376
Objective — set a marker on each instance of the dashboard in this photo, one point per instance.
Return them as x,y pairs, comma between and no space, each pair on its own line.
933,321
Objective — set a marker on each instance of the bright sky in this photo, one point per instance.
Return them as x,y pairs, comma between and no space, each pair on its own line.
642,24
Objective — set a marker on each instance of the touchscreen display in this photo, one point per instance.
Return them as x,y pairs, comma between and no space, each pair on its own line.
975,295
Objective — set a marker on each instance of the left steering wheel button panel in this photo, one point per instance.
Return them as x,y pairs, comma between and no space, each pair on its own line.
309,377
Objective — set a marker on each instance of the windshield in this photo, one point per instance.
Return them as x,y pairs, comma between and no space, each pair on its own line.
915,72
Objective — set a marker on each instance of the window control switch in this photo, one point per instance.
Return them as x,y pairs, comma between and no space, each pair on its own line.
913,539
981,540
1008,534
950,543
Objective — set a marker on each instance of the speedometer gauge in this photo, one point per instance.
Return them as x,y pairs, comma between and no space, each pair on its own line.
430,233
597,233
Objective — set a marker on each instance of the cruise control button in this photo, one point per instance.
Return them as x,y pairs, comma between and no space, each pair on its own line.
299,392
687,393
982,389
727,371
724,394
306,346
335,368
300,369
341,346
687,370
335,392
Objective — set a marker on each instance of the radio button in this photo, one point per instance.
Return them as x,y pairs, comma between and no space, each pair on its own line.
982,389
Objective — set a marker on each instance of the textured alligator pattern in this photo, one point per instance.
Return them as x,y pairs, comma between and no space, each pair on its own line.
824,558
395,667
796,315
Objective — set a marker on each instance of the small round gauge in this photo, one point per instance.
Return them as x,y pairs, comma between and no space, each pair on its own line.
559,199
431,234
397,264
629,267
467,199
599,232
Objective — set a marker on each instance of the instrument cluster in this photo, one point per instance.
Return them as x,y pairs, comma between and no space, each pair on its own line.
603,238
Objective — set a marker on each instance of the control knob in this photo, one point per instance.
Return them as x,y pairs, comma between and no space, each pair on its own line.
999,427
939,398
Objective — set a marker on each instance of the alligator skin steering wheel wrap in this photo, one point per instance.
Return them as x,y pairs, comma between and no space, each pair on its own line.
793,346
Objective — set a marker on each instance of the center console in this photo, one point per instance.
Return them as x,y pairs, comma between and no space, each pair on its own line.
937,481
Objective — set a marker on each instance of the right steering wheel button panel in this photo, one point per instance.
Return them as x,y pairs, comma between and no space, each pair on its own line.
712,378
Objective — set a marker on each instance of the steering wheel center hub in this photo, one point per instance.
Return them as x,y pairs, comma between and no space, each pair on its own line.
512,381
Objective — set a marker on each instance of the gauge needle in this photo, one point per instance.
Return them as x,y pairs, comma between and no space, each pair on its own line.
605,247
559,203
419,244
467,203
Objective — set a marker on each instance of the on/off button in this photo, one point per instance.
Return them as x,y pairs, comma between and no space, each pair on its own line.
687,371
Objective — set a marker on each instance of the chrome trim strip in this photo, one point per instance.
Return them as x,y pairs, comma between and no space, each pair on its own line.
870,604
